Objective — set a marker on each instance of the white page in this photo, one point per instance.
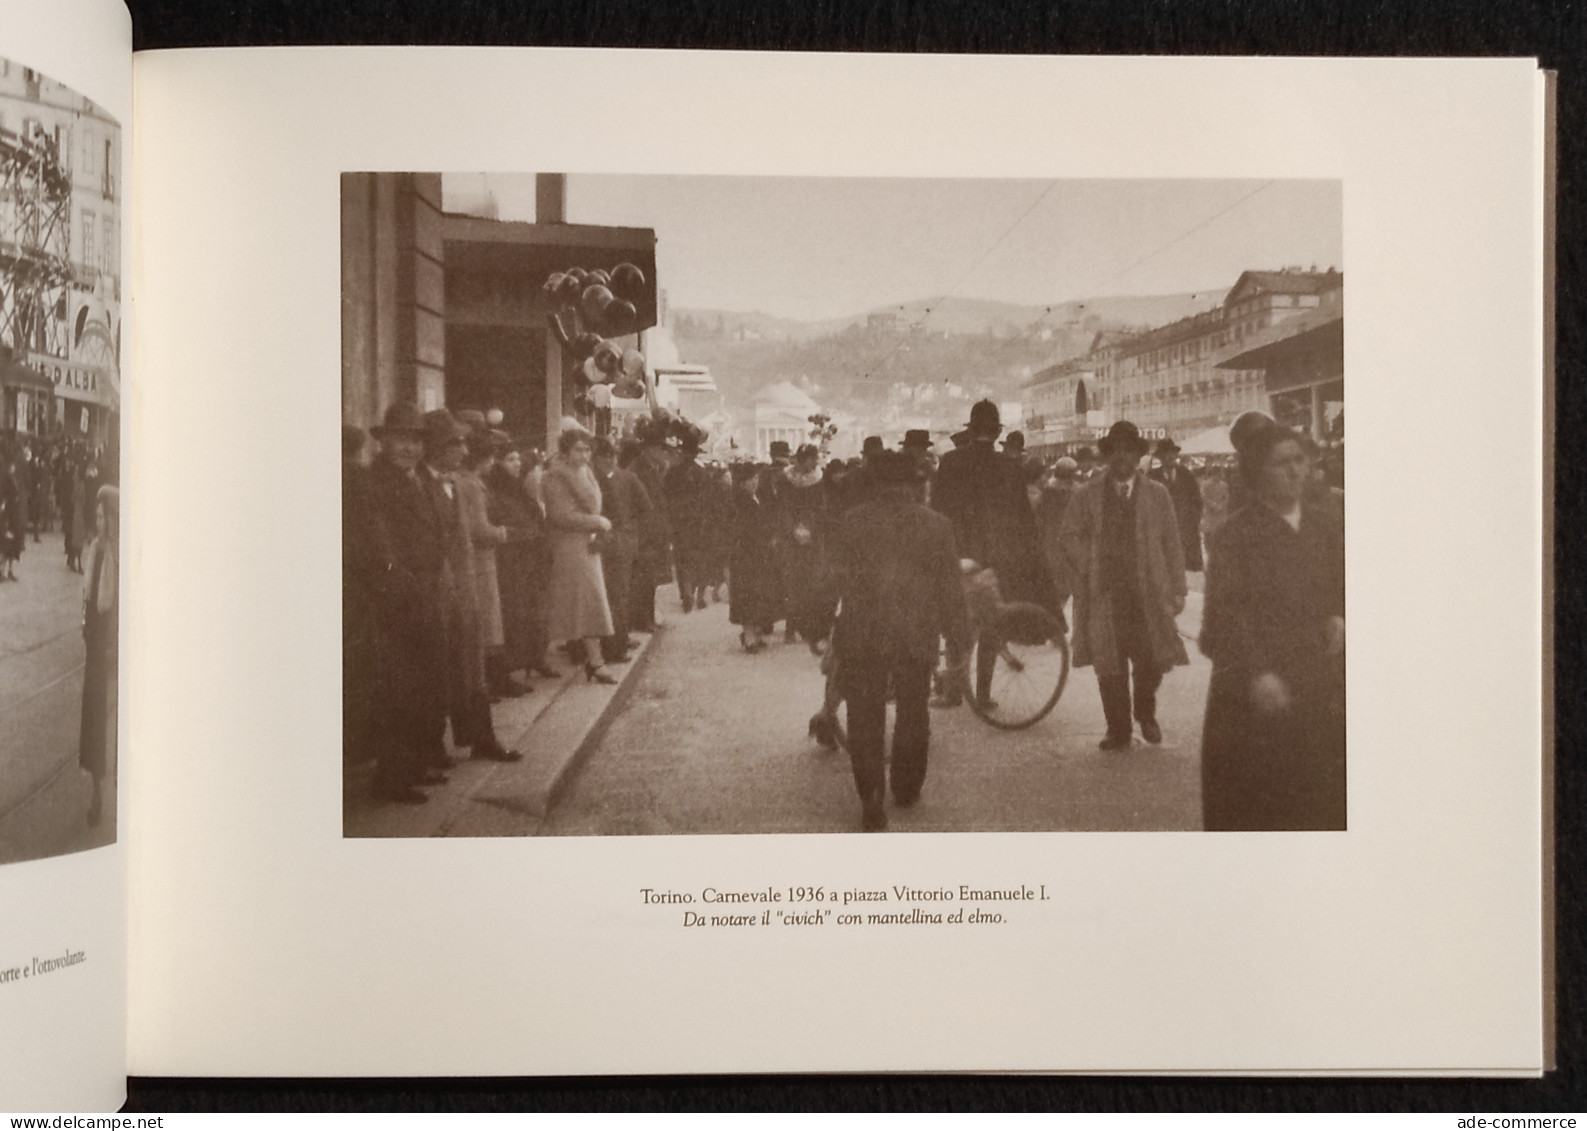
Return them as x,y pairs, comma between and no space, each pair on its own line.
264,943
62,904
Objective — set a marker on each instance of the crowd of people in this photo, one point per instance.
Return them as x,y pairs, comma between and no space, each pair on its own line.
469,559
49,481
44,482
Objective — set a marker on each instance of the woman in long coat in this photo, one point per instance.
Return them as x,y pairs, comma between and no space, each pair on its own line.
521,564
484,536
754,582
577,596
801,536
100,636
1273,750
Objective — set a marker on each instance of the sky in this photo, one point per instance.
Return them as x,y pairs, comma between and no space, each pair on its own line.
816,248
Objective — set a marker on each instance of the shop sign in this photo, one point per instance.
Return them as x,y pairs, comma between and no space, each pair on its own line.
79,382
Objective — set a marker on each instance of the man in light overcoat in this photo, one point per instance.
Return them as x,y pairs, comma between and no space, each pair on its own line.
1121,558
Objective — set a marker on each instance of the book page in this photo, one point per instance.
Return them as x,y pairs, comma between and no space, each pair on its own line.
375,851
65,103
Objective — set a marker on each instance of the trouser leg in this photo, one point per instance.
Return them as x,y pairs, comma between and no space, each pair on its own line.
865,690
1115,691
1148,678
912,730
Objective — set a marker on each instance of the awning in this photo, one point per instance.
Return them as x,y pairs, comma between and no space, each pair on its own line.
1289,340
1212,442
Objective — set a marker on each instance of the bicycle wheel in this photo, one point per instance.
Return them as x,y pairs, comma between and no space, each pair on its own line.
1020,667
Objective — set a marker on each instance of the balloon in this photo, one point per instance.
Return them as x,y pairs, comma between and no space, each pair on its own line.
553,281
594,302
633,364
578,273
570,288
619,317
628,282
583,345
589,373
607,357
494,417
600,277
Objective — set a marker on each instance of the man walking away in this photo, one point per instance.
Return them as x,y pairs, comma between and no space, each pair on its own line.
897,575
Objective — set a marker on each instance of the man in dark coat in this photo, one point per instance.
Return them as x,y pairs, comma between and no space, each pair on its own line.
1185,490
395,545
982,492
1123,562
653,565
690,498
897,573
627,506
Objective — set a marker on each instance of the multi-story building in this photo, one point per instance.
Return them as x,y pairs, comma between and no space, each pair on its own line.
1176,380
60,258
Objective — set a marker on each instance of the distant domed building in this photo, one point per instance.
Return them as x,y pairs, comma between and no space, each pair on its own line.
782,412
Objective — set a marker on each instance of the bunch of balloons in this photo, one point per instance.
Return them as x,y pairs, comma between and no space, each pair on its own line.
587,308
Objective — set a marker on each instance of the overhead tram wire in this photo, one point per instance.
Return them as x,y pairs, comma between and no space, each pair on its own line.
1119,274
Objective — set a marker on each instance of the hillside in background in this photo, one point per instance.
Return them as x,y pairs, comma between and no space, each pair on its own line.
942,351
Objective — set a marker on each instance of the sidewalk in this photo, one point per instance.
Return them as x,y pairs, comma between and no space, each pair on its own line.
554,728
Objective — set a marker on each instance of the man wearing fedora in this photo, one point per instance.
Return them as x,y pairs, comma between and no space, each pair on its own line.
1185,490
399,544
1122,560
982,492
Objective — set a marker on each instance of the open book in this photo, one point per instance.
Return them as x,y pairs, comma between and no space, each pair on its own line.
225,851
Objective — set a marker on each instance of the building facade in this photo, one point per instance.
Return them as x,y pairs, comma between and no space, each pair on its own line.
1188,376
60,260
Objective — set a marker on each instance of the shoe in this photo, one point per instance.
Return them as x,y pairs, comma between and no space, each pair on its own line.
544,670
1114,742
906,800
1151,731
873,817
402,795
511,688
593,674
750,646
948,699
495,752
824,730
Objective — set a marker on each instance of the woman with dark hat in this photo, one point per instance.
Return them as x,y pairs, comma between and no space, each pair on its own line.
801,535
754,584
1273,752
522,564
689,490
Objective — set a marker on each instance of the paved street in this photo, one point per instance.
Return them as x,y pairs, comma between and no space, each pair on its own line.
714,741
43,793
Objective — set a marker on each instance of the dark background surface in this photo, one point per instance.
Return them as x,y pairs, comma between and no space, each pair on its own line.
1556,32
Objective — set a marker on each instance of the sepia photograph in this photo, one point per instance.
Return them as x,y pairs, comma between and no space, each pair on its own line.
60,403
745,505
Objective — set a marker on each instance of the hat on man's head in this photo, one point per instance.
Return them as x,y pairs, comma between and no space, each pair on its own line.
984,420
1014,440
441,428
806,451
872,445
402,417
895,468
916,439
470,418
1167,447
779,449
1121,437
1066,468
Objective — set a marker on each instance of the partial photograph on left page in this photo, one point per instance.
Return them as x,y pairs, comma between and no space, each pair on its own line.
60,425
